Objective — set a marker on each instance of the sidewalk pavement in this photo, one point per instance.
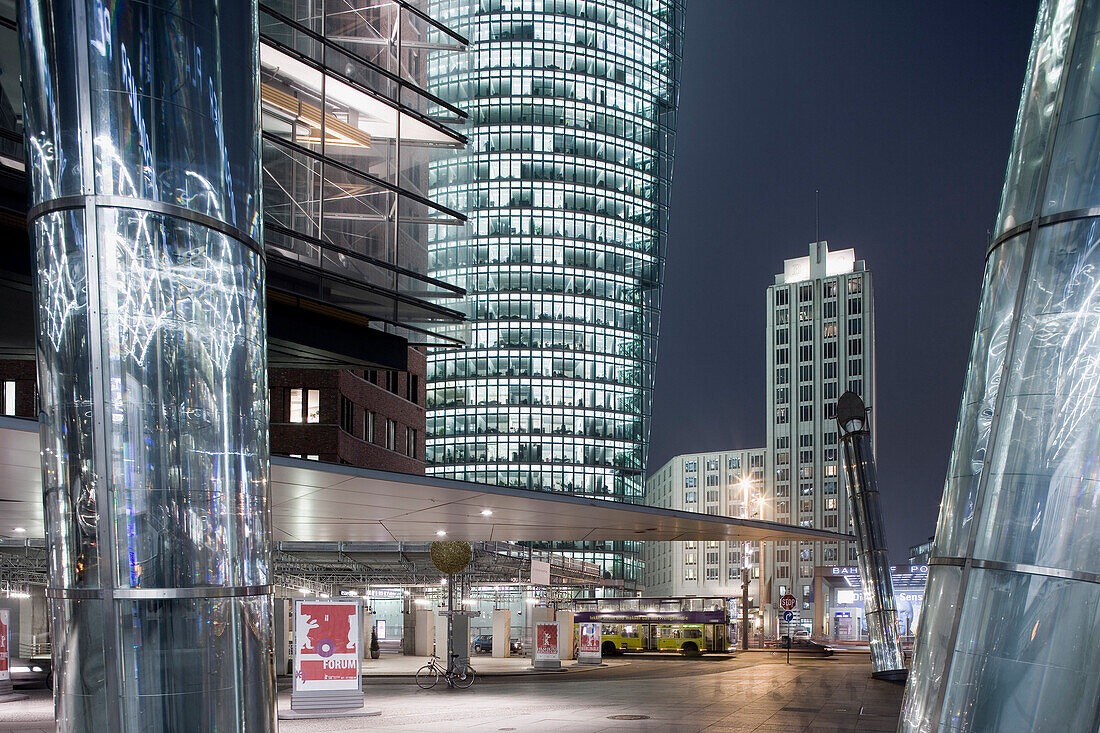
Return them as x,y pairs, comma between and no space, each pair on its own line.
397,665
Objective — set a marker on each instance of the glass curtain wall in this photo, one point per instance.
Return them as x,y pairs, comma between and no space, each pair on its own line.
566,182
1011,624
348,130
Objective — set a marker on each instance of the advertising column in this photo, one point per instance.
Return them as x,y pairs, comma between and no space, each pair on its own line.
546,646
589,642
327,654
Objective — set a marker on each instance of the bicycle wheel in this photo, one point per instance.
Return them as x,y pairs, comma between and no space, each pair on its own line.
427,676
465,678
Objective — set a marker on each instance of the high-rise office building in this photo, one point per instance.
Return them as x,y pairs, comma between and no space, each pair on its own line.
727,483
566,184
820,342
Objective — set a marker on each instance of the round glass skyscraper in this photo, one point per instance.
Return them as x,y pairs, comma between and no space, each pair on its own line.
565,181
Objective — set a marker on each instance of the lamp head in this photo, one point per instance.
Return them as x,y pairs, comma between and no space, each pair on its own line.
851,414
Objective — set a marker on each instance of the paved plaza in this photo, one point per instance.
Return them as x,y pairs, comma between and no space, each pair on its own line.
754,692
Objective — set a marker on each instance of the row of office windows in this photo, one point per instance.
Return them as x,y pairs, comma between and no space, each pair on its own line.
829,289
828,331
549,183
579,479
733,463
564,308
588,338
595,159
604,452
566,422
603,54
640,128
546,392
806,312
588,159
640,39
590,367
640,234
602,262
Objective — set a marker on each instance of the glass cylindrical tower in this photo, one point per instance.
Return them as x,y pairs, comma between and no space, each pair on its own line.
143,152
861,477
565,181
1009,633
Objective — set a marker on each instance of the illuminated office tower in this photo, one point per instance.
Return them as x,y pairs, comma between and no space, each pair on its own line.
820,342
566,183
1010,628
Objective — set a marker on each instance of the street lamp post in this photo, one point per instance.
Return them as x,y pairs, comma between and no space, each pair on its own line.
746,572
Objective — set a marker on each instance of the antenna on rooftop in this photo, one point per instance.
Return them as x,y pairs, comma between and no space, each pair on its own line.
817,215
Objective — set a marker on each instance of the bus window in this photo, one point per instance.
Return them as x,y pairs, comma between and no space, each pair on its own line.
693,633
630,632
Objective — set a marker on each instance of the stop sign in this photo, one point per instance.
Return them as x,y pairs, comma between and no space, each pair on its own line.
787,602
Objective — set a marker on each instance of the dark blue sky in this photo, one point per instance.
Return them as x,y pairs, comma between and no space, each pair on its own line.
902,114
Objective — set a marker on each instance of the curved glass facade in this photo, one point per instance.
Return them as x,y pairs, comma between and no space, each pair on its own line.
565,181
143,151
1011,623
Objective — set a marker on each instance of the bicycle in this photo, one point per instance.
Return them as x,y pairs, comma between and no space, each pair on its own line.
428,675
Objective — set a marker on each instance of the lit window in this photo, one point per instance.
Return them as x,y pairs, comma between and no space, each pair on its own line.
8,395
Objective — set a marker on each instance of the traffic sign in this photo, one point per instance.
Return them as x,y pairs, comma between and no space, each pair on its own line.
788,616
788,602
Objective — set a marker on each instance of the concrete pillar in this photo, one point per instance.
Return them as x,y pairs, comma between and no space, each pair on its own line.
284,632
143,159
567,648
425,632
502,632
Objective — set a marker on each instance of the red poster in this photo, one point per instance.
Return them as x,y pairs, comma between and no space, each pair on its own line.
326,645
590,638
546,641
5,671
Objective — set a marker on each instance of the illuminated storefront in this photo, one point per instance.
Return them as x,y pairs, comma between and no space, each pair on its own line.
843,618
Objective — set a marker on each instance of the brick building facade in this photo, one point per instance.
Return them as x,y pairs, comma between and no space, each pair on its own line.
371,418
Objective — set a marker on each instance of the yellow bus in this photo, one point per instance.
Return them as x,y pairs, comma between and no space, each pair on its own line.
687,632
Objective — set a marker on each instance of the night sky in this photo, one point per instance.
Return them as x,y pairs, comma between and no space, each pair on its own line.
902,114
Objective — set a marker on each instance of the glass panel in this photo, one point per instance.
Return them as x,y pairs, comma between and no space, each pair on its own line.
162,131
183,315
52,111
1040,502
1044,74
65,400
929,667
183,662
1074,179
77,629
1021,637
999,290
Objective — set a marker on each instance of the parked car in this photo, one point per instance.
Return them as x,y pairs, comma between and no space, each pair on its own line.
483,644
36,671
